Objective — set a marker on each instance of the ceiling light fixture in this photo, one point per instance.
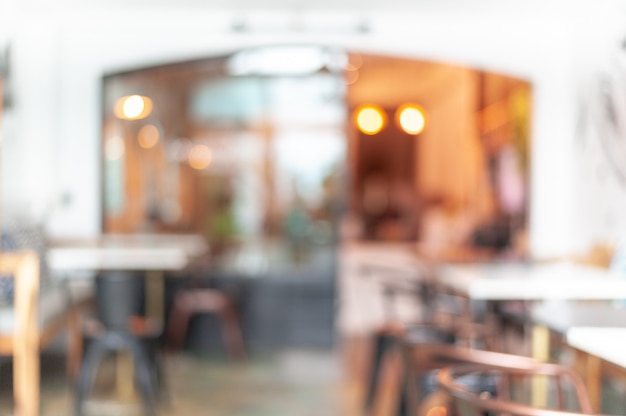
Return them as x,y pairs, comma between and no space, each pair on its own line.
133,107
411,119
370,119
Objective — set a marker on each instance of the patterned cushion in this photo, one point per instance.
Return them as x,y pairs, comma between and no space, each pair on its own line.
54,300
22,237
55,297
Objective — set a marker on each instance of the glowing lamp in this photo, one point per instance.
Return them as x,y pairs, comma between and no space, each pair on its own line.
133,107
148,136
200,157
370,119
411,119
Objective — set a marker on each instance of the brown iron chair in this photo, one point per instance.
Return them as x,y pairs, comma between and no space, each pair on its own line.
420,360
513,395
195,301
447,325
394,281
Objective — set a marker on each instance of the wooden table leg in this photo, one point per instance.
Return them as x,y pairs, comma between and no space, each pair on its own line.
125,377
155,289
541,352
593,380
541,343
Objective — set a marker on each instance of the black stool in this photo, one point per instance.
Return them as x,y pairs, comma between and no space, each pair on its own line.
118,299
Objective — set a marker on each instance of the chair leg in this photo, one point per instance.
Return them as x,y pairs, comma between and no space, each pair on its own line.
26,377
382,343
404,399
231,331
74,344
144,375
177,325
163,389
156,362
95,352
410,391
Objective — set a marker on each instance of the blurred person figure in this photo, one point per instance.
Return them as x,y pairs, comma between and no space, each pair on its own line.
388,209
444,225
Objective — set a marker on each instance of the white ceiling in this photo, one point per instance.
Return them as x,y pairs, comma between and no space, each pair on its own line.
445,13
508,7
257,4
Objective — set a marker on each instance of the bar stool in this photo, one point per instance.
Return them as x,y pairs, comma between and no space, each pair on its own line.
118,296
190,302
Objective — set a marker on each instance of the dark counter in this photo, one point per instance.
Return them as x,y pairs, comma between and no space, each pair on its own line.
282,304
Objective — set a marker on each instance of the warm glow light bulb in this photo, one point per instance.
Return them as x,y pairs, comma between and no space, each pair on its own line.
148,136
370,119
200,157
411,119
133,107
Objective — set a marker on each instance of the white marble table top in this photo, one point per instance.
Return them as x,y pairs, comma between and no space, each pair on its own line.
519,281
562,315
605,343
126,252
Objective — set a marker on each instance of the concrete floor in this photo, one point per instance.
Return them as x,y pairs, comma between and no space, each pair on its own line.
294,383
289,383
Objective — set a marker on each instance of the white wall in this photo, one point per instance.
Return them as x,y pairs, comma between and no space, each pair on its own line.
601,192
60,57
